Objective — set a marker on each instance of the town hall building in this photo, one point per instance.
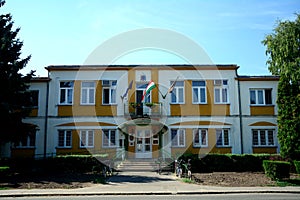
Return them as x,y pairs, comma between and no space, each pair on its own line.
150,111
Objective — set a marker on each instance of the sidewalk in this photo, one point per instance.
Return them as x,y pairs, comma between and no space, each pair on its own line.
145,183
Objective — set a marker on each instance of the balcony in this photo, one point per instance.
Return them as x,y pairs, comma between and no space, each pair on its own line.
140,110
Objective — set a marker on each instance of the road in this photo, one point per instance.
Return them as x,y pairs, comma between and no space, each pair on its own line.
173,197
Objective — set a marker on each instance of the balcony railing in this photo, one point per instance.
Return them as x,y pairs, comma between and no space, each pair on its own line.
136,110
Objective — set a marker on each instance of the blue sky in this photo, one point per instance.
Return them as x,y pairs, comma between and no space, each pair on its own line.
65,32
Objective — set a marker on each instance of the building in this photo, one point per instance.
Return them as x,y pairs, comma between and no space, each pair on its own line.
195,109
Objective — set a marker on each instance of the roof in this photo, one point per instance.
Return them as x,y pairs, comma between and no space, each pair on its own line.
258,78
40,79
143,66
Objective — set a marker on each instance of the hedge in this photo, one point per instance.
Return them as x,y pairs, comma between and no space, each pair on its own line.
70,163
276,170
297,166
228,162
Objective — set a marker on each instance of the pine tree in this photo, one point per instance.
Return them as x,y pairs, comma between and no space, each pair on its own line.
15,101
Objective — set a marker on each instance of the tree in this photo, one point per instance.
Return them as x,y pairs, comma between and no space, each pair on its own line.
283,51
15,101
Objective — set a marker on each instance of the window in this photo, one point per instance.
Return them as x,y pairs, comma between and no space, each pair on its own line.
86,138
88,93
221,91
109,138
34,98
27,142
64,138
178,137
131,140
109,92
199,91
66,92
155,140
261,96
177,95
223,138
200,138
263,137
121,140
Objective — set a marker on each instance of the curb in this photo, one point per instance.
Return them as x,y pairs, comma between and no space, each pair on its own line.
151,193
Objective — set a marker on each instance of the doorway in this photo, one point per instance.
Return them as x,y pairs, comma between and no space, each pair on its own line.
143,147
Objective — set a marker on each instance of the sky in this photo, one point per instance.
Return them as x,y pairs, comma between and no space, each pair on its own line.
66,32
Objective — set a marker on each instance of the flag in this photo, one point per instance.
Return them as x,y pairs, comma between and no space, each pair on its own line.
126,92
171,88
151,85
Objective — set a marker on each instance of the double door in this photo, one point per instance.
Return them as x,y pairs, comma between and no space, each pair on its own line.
143,146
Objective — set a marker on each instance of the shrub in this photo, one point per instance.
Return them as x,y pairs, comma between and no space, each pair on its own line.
276,170
227,162
4,170
297,166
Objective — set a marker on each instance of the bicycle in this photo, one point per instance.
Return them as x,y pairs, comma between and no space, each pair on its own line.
188,171
106,169
178,169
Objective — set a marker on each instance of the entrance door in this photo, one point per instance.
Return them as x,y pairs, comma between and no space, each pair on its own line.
139,108
143,147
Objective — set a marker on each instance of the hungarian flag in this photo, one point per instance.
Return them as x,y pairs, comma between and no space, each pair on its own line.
151,85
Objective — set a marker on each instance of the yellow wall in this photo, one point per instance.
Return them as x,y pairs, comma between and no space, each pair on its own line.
189,108
270,150
23,153
262,110
34,112
131,93
262,123
76,149
87,110
154,77
203,150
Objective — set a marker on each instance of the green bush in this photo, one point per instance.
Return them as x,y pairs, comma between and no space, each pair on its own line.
4,170
297,166
227,162
276,170
59,164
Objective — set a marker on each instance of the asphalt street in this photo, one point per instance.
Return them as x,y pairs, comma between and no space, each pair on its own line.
252,196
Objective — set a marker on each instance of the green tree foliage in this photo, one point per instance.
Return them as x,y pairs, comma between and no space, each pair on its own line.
283,51
15,101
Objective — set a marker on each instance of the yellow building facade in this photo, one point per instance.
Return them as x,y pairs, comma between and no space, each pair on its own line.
196,109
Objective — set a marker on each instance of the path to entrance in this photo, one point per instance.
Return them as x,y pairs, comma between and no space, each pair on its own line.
148,182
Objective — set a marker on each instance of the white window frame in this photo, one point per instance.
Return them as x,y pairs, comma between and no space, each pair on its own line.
111,86
199,93
264,132
87,141
65,132
28,142
199,132
109,144
175,92
89,90
32,96
256,91
221,86
67,89
223,137
175,142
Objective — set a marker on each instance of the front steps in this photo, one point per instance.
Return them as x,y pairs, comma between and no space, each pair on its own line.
138,165
141,165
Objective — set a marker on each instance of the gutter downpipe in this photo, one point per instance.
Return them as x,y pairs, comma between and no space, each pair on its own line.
240,113
46,120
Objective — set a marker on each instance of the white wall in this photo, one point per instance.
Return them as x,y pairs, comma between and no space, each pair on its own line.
245,93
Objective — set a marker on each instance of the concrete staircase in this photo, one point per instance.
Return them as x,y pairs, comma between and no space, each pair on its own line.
138,165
